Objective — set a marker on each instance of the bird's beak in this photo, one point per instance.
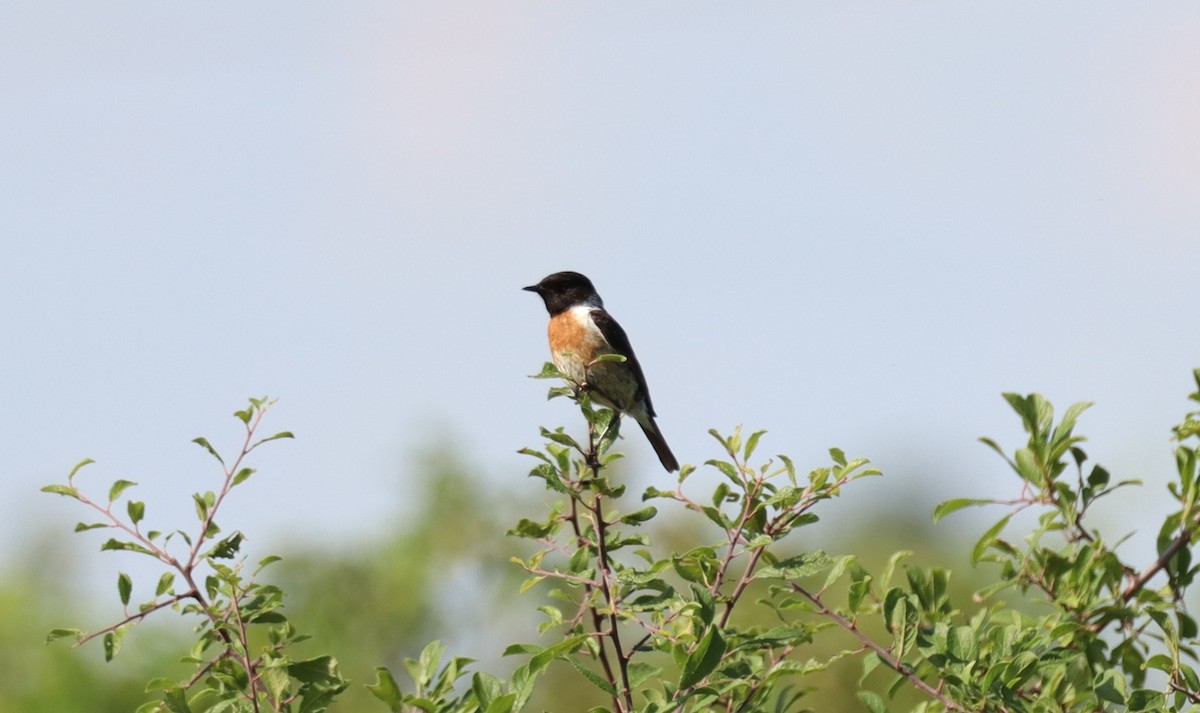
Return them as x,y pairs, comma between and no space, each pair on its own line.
531,288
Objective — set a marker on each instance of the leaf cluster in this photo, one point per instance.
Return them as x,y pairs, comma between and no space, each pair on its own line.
240,655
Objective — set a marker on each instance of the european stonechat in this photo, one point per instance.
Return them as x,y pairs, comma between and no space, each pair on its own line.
580,331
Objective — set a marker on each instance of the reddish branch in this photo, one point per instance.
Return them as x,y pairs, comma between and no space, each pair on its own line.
884,655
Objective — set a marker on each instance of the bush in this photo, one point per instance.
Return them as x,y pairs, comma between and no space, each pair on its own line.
739,619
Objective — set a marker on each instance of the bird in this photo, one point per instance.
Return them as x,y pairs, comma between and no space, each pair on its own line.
580,331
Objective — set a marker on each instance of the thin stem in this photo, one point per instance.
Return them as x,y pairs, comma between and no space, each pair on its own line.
247,663
743,582
611,600
586,581
753,488
606,572
136,617
230,472
115,522
884,654
1163,560
588,592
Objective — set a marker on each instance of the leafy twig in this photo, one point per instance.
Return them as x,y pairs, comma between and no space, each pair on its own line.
883,653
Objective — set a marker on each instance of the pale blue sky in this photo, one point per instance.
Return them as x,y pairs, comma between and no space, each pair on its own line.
853,224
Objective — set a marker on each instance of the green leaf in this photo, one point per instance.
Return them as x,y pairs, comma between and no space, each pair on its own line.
949,506
988,538
118,545
751,444
275,678
514,649
1098,477
165,583
56,634
1027,467
83,526
203,443
637,518
598,680
727,469
539,661
506,703
639,673
112,642
276,437
996,447
175,699
531,530
62,490
78,466
874,702
839,568
201,506
860,587
789,466
703,659
226,548
963,644
890,568
124,587
136,510
901,617
322,670
1067,424
119,487
243,475
486,688
804,565
386,690
559,437
549,371
158,684
734,444
1147,700
1111,686
870,662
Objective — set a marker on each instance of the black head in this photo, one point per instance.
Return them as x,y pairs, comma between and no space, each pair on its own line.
563,290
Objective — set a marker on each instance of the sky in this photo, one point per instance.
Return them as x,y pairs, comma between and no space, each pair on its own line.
852,224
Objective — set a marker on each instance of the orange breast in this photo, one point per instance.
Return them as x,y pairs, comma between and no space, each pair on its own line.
574,343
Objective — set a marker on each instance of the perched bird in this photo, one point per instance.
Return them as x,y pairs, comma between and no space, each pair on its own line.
580,330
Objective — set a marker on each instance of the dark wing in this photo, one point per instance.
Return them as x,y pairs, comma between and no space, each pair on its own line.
616,338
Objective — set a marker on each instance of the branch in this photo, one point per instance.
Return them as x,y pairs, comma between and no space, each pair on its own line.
252,676
610,597
884,655
1165,558
230,472
137,617
588,590
606,585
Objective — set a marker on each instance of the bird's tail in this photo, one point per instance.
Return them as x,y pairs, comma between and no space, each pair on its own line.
655,436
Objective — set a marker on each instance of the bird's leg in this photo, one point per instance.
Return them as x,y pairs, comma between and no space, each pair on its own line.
583,386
